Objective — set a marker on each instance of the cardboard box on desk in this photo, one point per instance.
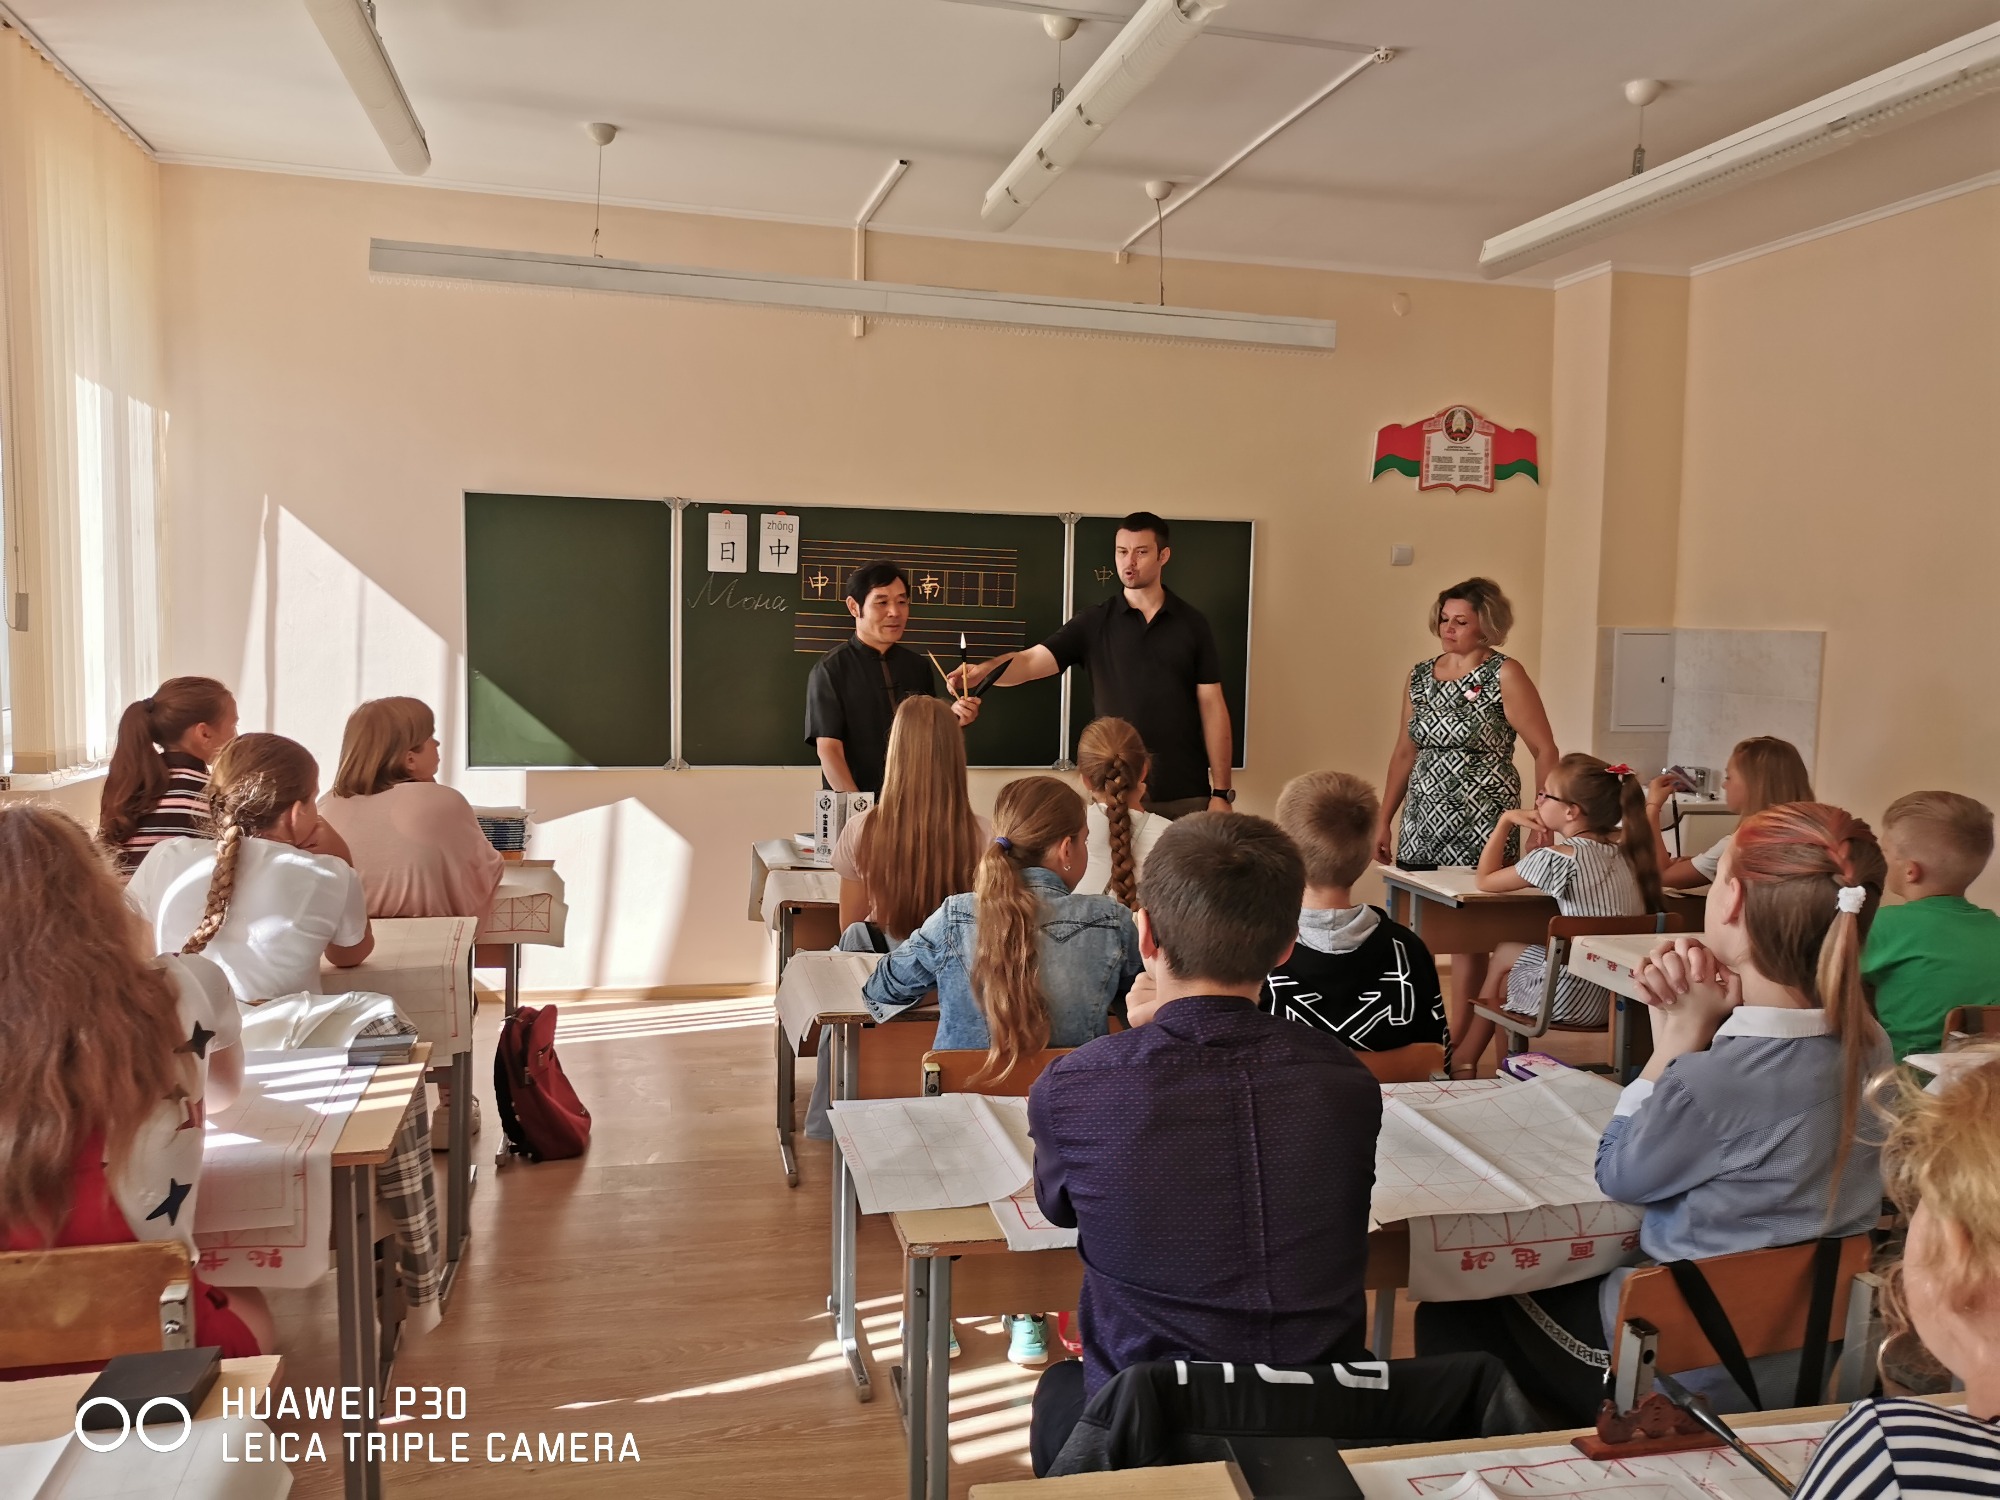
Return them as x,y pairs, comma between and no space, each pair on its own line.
831,812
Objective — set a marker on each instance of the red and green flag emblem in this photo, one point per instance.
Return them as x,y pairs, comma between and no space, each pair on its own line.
1457,449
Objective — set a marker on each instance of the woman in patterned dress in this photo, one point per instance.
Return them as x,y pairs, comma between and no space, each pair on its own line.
1452,770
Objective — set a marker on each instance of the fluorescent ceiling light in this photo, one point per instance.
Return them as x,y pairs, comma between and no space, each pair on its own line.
889,301
1939,79
349,29
1136,56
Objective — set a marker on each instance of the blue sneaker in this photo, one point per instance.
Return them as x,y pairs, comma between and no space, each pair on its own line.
1028,1341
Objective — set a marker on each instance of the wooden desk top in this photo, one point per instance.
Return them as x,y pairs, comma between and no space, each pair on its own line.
370,1133
1180,1482
37,1410
1454,885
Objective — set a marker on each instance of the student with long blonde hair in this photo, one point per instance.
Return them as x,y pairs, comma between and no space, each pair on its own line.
1942,1162
111,1057
1741,1132
918,844
1022,963
1763,771
416,843
156,787
255,899
1112,763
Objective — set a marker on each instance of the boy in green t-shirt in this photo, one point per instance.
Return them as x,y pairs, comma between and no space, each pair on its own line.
1937,950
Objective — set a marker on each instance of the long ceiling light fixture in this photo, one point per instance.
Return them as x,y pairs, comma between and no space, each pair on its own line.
399,260
1939,79
349,29
1137,55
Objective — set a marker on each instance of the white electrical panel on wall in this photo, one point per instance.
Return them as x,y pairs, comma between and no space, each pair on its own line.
1642,672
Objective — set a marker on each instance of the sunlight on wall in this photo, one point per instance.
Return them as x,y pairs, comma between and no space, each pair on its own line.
323,637
627,875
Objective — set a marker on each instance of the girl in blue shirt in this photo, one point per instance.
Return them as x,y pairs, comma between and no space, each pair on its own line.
1021,963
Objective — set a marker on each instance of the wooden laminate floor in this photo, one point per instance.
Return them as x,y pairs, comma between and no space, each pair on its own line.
670,1286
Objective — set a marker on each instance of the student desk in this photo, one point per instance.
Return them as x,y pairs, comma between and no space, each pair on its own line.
796,903
366,1143
1451,914
424,964
956,1260
1179,1482
38,1410
531,906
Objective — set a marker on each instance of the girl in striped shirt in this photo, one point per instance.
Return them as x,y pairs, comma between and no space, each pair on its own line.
1605,865
1942,1163
156,787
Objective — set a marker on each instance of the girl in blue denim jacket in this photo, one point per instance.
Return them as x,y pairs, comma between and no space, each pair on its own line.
1020,964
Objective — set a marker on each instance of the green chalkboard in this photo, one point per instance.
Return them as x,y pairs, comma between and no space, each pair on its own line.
749,639
1210,568
568,631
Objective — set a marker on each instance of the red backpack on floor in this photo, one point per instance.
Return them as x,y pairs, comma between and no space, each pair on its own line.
540,1112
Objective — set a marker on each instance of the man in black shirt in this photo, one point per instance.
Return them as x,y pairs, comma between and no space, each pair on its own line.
1153,663
852,694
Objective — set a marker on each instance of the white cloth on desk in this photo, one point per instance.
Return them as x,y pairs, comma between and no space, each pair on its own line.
156,1182
529,907
286,906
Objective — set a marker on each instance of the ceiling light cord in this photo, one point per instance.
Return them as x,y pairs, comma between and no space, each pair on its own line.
1056,94
597,214
1160,223
1639,150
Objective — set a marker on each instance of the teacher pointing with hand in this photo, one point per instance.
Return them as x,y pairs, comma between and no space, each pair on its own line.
1152,662
1452,769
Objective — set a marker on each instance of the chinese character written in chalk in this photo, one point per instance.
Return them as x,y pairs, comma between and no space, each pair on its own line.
1104,575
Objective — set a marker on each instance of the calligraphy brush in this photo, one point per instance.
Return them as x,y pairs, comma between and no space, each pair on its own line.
942,672
964,665
1697,1407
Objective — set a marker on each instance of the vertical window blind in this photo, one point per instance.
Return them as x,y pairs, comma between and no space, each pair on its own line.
81,421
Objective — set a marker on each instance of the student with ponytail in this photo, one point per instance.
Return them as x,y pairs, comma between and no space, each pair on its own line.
1606,865
1022,963
1742,1131
1111,760
156,787
255,899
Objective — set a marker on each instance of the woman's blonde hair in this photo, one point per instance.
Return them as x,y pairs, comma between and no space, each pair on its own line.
1030,817
1772,772
256,779
1496,614
921,841
88,1026
1111,759
1944,1151
1792,862
379,734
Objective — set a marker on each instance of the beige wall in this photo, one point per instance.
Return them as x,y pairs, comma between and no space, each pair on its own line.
1841,398
324,427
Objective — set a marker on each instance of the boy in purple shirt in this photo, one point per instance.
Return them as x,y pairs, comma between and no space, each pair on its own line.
1217,1162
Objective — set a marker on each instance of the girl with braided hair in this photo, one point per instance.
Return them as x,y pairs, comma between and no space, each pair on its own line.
1741,1132
1112,762
256,899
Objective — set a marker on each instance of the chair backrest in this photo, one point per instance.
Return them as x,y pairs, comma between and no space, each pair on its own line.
952,1071
85,1305
1407,1064
1970,1022
889,1057
1766,1294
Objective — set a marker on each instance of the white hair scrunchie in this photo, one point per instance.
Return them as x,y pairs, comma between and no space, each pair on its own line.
1852,898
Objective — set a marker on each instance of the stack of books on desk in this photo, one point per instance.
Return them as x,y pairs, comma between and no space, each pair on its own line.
367,1051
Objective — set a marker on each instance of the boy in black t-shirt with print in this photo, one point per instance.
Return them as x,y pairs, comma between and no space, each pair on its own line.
1353,972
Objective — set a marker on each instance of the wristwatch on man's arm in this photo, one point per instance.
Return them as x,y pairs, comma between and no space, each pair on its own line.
1227,794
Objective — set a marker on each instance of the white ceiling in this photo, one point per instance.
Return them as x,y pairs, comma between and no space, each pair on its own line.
1493,111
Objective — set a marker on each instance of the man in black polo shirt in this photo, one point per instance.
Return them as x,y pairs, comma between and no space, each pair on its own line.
852,694
1153,663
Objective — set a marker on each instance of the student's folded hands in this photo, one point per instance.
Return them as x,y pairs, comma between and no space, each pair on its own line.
1680,976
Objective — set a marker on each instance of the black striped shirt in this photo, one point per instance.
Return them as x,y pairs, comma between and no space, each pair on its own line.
182,812
1904,1450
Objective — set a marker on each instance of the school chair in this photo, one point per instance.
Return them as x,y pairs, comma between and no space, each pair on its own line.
1413,1063
85,1305
1766,1298
1617,1023
1970,1023
953,1071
